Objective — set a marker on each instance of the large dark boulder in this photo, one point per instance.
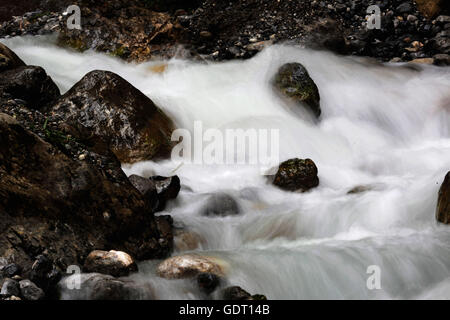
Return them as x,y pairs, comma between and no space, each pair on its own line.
443,206
104,104
8,59
296,175
66,207
293,81
29,83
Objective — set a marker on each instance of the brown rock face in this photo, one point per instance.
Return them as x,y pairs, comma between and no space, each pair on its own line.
50,202
430,8
443,206
297,175
8,59
105,105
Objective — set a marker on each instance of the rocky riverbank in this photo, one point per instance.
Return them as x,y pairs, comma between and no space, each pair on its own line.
135,31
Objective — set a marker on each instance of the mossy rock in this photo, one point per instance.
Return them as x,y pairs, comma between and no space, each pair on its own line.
293,81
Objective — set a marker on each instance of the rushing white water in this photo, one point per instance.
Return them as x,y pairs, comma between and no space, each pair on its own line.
386,126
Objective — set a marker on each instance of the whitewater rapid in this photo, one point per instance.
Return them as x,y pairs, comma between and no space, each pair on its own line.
383,126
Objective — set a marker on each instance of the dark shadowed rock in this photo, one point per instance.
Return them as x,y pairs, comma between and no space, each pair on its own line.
8,59
167,189
443,206
294,82
104,104
10,288
30,291
237,293
208,282
221,204
115,263
11,270
44,273
147,188
297,175
29,83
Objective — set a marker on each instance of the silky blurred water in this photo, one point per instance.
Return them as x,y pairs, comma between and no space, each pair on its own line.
383,126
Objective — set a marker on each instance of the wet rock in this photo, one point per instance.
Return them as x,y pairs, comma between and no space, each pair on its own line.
30,291
237,293
190,265
95,286
11,270
105,105
297,175
443,206
221,204
115,263
8,59
293,81
10,288
208,282
29,83
167,189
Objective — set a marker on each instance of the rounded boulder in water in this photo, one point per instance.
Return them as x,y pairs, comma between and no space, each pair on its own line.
294,82
297,175
221,204
115,263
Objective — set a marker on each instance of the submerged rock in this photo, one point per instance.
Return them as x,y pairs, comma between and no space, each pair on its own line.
221,204
95,286
115,263
8,59
190,265
443,206
297,175
186,240
293,81
105,105
30,84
